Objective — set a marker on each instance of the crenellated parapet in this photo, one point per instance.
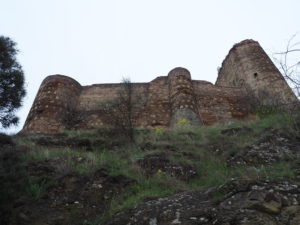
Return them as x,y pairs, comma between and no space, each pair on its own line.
182,97
55,101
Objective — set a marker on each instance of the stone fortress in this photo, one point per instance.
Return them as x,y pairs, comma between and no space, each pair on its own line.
247,73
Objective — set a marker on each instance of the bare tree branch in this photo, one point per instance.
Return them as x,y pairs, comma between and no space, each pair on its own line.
290,67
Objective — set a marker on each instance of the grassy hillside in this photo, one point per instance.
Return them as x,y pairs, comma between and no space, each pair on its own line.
85,177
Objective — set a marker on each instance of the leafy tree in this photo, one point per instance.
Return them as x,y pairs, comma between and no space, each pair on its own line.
11,83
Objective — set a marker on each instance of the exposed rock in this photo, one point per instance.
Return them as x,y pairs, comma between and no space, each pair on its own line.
242,202
266,152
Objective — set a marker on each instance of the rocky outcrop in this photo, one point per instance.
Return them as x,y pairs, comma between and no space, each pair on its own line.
268,150
236,202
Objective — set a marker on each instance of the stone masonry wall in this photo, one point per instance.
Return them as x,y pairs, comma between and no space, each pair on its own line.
151,98
62,103
55,101
220,104
247,65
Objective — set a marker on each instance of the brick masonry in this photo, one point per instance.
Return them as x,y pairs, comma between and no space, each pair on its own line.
62,103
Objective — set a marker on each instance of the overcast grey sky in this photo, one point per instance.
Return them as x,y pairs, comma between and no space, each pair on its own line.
101,41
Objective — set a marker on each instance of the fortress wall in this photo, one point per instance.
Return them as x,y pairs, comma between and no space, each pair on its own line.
247,72
61,98
92,97
151,103
155,106
220,104
55,101
248,65
89,103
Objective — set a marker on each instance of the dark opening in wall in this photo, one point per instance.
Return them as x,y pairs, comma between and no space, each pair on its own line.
255,75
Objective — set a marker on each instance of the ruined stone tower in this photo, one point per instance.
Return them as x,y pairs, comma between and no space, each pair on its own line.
247,65
56,98
246,72
182,97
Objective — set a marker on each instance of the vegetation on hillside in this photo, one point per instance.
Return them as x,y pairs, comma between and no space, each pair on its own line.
161,162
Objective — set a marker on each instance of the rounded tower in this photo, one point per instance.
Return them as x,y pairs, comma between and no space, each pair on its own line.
54,103
247,65
182,98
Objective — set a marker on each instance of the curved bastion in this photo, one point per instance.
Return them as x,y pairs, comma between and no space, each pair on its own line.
55,100
182,97
247,77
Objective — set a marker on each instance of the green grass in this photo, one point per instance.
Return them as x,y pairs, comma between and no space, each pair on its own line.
280,170
205,148
35,188
212,173
156,186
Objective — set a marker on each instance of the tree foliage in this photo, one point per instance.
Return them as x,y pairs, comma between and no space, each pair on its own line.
11,82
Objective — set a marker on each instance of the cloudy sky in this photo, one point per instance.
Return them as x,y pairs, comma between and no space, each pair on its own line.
101,41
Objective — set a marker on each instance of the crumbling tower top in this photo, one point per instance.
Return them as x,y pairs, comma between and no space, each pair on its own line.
247,65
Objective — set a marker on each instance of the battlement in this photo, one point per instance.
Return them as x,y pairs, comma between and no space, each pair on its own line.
246,71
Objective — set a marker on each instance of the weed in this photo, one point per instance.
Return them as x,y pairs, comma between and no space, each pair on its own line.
159,130
35,188
281,170
66,164
183,123
212,173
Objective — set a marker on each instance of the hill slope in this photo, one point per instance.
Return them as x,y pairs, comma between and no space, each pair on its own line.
243,173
